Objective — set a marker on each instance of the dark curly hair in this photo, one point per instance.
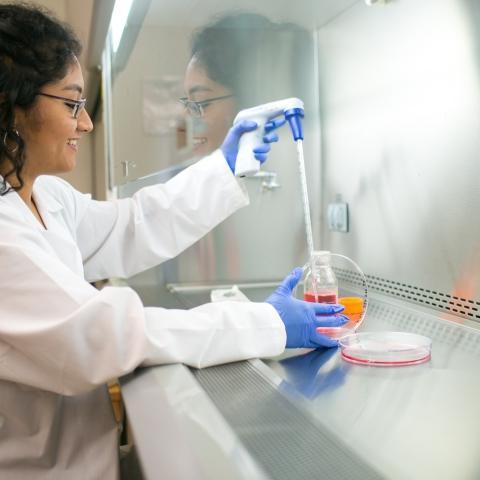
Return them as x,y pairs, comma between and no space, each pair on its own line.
35,49
257,59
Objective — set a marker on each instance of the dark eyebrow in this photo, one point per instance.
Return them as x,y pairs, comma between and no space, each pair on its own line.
74,87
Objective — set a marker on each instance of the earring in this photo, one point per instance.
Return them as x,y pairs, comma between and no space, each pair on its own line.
12,132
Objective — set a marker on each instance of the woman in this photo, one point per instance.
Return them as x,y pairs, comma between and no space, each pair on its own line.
61,339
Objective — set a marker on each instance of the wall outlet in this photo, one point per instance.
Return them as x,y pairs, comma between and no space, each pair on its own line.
337,214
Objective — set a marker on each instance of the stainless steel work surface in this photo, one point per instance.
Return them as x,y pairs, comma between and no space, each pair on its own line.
415,422
178,433
309,414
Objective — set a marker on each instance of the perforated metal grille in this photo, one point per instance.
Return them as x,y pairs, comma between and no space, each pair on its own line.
463,307
283,439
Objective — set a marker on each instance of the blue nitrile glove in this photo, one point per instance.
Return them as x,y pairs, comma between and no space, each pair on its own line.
302,318
229,146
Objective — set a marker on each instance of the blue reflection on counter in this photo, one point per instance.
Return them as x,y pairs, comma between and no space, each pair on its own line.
313,373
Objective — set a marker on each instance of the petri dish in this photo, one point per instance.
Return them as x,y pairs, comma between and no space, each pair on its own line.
339,332
385,349
336,332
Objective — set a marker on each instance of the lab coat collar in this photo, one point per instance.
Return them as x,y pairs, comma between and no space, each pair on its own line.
46,203
45,200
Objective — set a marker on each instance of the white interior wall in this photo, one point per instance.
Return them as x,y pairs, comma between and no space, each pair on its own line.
151,60
59,7
78,15
400,106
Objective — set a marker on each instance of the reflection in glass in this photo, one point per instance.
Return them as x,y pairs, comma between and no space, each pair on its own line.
245,56
250,59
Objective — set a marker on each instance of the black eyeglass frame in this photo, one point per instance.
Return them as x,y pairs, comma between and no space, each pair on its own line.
76,105
197,109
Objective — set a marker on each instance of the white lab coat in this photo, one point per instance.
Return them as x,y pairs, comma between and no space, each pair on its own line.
61,339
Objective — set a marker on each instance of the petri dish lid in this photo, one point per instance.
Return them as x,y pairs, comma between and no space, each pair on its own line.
353,305
385,349
347,329
336,332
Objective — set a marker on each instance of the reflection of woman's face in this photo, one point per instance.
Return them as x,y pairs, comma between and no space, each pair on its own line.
209,130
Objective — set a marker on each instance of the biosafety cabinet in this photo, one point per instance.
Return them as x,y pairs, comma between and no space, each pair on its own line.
392,144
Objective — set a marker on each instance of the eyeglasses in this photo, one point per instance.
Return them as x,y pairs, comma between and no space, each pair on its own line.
197,109
76,105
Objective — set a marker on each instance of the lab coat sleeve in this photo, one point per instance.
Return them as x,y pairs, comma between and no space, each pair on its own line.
60,334
122,238
213,333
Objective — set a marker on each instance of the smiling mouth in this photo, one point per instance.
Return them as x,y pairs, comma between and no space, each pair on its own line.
73,143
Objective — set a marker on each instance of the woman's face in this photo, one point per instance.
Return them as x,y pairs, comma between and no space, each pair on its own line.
210,130
50,132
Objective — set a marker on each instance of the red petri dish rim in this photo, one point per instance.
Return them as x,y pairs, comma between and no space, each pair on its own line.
381,363
385,349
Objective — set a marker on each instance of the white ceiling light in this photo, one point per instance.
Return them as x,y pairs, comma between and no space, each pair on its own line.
120,14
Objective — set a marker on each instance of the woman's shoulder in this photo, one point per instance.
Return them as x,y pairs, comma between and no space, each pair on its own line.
53,184
58,188
58,194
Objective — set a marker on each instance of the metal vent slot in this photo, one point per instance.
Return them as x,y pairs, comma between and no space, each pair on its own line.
283,439
463,307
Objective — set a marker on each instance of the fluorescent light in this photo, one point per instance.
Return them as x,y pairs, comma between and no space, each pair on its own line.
119,21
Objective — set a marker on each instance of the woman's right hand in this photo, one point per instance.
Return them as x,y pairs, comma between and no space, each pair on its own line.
229,146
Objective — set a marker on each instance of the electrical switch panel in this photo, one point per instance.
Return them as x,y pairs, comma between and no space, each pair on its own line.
337,214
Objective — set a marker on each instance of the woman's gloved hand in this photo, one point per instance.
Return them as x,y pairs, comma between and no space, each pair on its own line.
301,318
229,146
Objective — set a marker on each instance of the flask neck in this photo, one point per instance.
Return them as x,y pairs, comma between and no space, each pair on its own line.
320,258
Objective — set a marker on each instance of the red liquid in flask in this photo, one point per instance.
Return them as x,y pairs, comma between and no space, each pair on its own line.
325,297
